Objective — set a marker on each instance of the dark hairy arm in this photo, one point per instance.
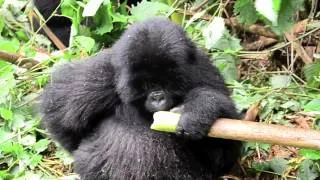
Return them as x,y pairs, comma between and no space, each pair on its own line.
207,101
77,95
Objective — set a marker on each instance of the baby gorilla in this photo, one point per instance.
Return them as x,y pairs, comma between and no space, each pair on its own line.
101,109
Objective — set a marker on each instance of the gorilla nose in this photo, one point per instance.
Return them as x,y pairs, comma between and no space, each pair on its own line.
158,101
159,98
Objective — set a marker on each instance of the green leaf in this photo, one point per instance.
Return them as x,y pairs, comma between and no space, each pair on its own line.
276,5
5,135
310,154
64,156
261,165
280,81
313,105
6,114
35,160
4,175
245,11
285,15
292,105
146,9
18,120
7,80
227,66
9,45
41,145
213,32
228,43
307,171
266,8
86,43
278,165
312,74
103,19
2,24
71,9
91,8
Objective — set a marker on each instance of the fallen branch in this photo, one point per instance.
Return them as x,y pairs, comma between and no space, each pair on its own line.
246,131
56,41
259,44
18,60
298,48
255,28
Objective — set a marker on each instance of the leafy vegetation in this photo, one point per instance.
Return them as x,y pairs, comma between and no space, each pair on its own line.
249,44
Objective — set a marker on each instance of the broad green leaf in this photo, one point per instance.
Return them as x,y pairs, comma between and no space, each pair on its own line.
35,160
228,43
278,165
5,136
87,43
310,154
227,66
276,5
261,165
18,121
313,105
245,11
285,15
6,114
9,45
91,8
2,24
280,81
266,8
292,105
312,74
4,174
64,156
22,35
103,19
213,32
307,171
146,9
41,145
7,80
69,8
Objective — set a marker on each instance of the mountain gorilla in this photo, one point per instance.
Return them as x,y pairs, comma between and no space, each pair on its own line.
101,109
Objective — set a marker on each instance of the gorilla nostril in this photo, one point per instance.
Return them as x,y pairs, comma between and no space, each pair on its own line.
158,98
161,98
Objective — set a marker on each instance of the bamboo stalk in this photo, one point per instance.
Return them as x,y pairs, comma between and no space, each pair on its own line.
266,133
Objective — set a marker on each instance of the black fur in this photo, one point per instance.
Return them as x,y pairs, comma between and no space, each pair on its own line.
59,25
95,109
